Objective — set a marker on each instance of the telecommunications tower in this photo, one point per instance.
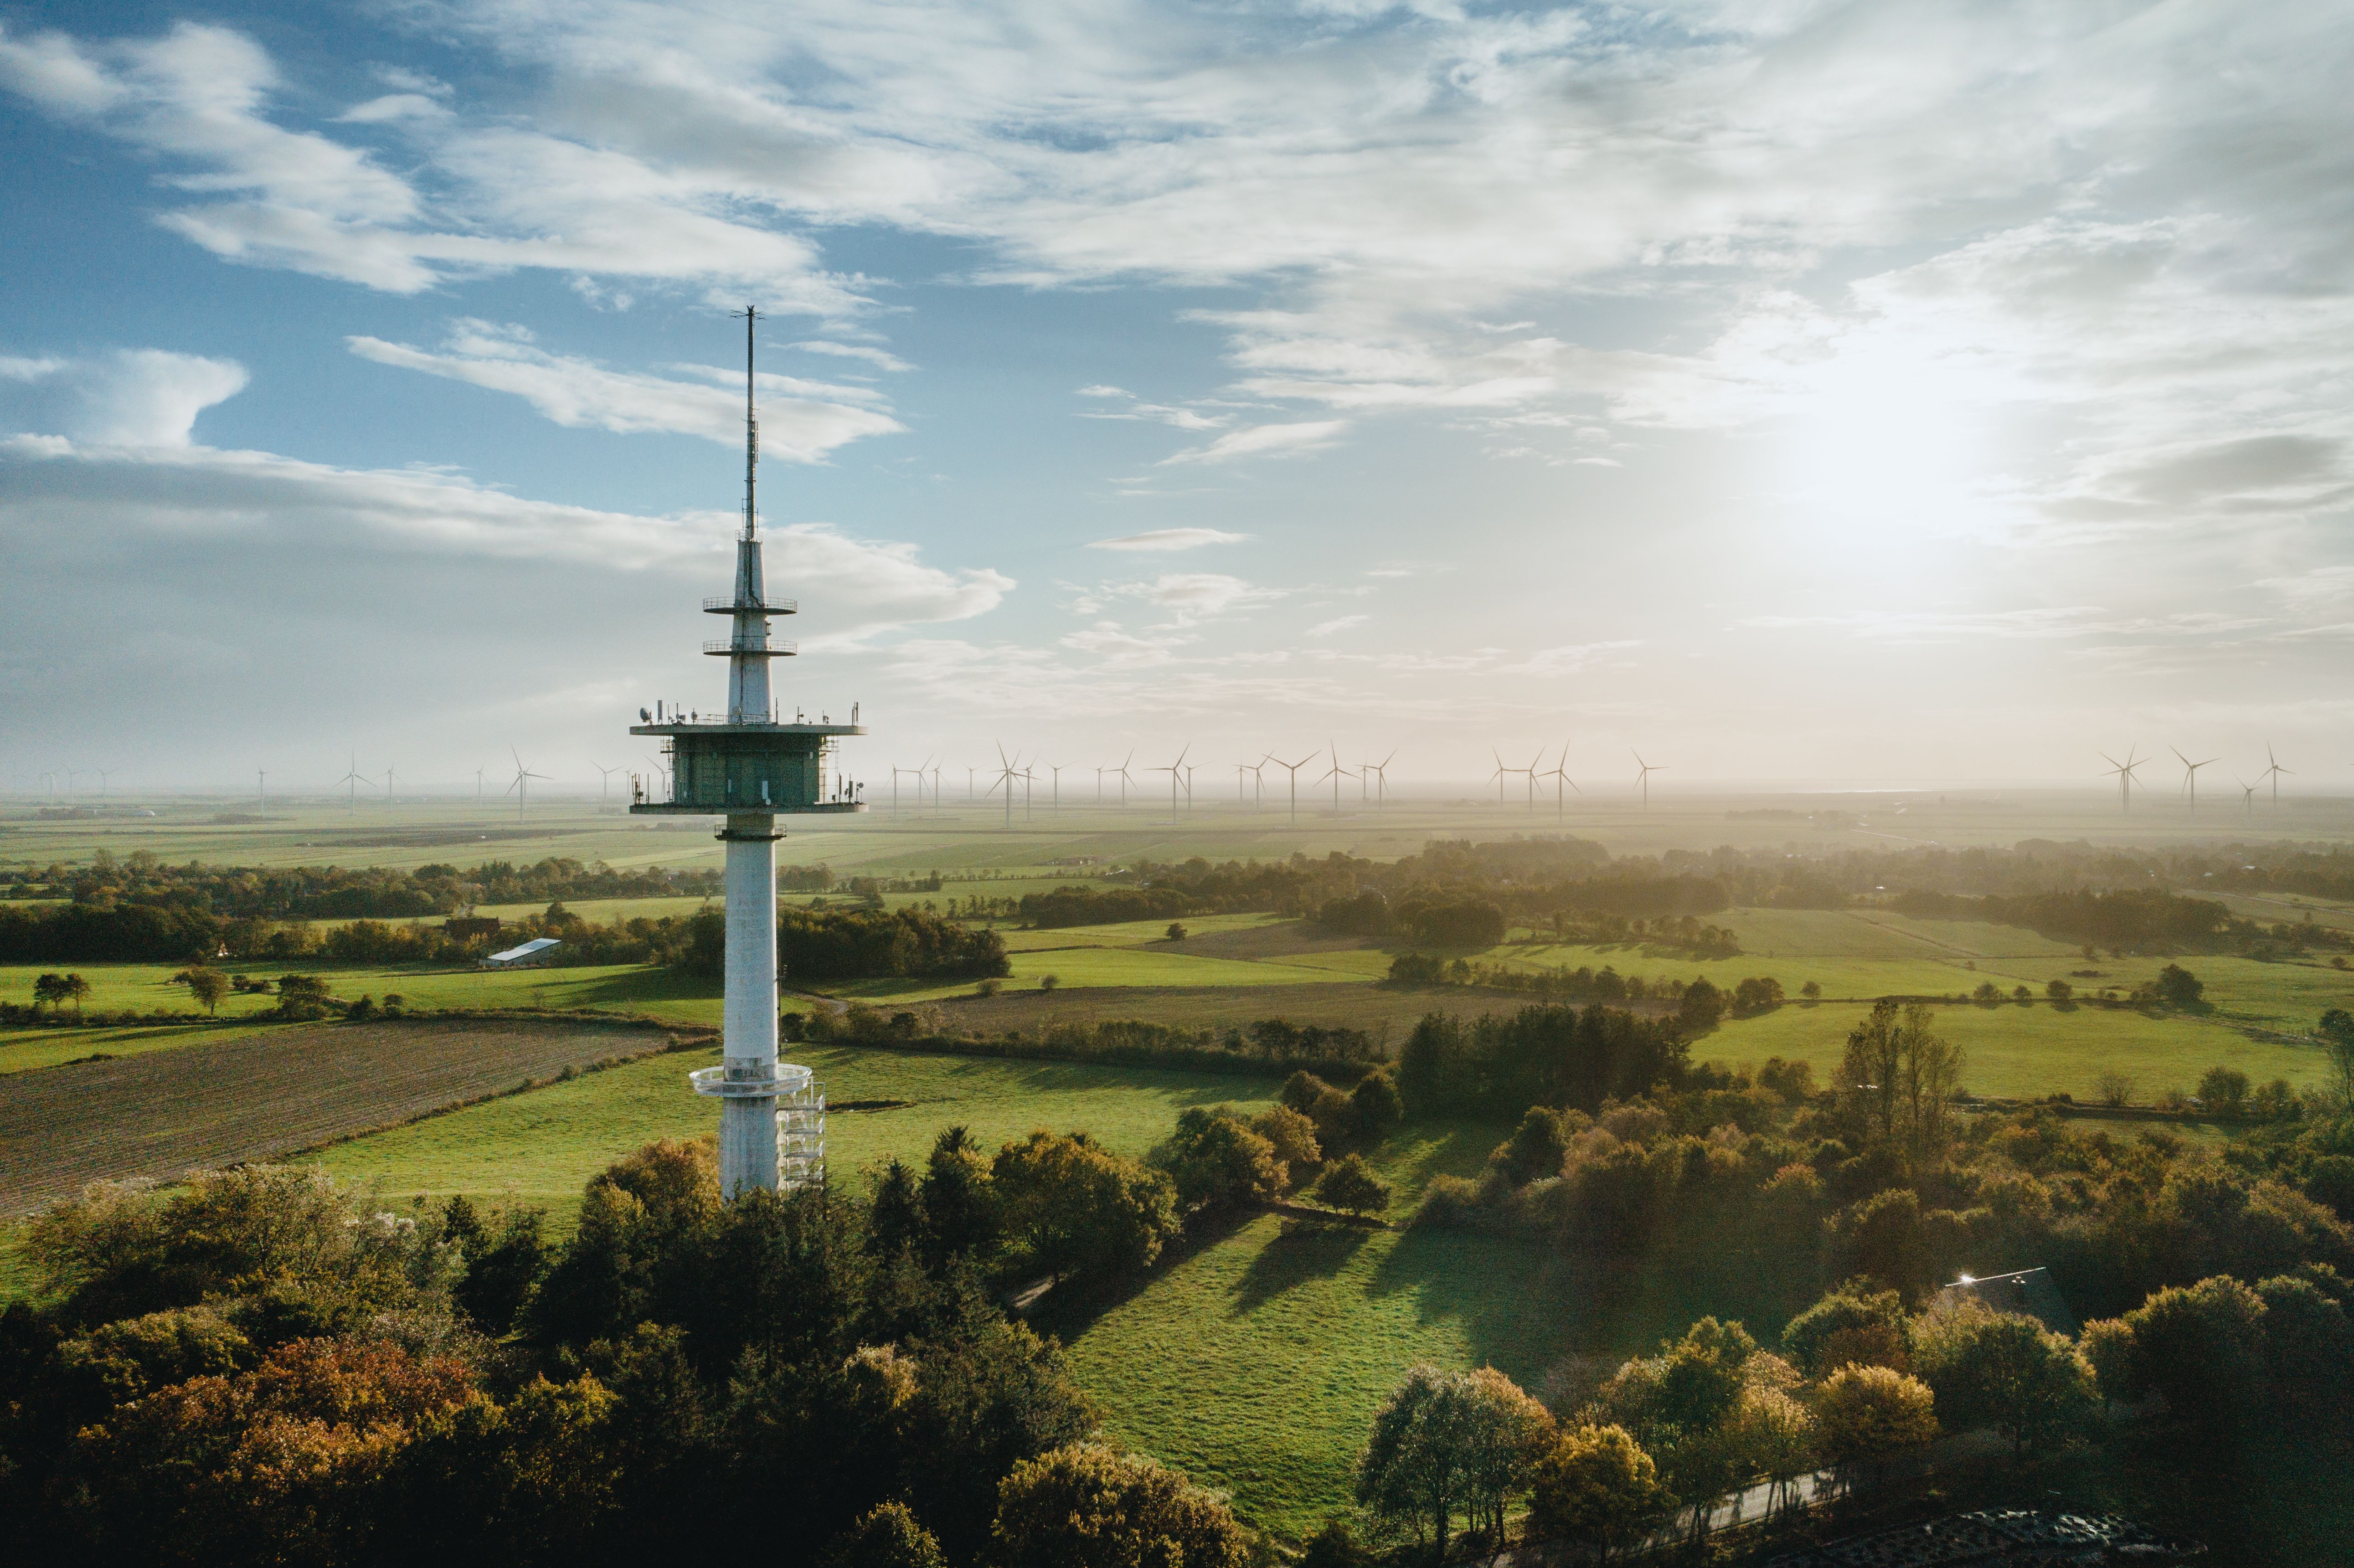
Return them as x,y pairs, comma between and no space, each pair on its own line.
748,769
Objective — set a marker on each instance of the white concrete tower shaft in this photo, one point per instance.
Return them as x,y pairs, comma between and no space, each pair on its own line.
748,1118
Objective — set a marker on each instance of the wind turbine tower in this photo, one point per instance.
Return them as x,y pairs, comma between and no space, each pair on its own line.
1559,777
1293,768
2272,770
351,776
1643,777
2191,776
2125,775
746,768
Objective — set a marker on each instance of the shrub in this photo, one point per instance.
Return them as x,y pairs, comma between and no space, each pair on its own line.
1351,1186
1088,1506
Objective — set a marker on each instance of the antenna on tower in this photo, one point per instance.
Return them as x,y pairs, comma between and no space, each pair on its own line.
750,315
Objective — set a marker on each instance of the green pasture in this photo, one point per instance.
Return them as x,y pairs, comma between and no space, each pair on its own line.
1129,933
542,1146
2012,1051
1256,1362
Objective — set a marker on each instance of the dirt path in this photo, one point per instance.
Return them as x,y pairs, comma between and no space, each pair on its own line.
255,1099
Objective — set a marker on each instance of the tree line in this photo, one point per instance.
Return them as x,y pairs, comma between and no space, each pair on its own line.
345,893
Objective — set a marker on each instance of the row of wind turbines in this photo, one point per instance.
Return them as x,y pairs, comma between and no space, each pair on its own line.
1013,775
2123,772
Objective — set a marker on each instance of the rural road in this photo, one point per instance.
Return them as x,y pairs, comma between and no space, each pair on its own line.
170,1112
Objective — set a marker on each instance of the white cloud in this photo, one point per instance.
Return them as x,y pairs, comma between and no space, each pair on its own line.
136,397
1169,539
881,359
1340,623
256,501
1266,440
801,420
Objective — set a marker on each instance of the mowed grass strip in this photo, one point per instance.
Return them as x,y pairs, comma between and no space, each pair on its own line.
260,1098
542,1147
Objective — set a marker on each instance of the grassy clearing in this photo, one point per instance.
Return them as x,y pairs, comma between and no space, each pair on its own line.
2025,1051
540,1147
1257,1360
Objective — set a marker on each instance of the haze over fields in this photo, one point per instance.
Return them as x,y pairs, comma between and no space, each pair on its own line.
1794,392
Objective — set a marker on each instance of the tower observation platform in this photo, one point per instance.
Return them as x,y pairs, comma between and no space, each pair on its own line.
746,765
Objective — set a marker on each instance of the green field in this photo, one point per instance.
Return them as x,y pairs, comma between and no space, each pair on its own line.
542,1146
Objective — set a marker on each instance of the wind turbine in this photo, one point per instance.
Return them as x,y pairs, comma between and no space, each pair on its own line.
1294,769
1176,771
104,775
1499,775
387,785
1007,772
1643,778
478,784
2248,793
1335,773
353,779
662,774
604,779
2124,773
1559,777
521,787
2274,771
1121,774
1532,771
2190,776
1056,769
1380,771
261,787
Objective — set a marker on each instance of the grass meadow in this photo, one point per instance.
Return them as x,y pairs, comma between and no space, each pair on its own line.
541,1148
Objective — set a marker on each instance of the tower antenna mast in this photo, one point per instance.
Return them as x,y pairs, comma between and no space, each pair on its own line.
751,314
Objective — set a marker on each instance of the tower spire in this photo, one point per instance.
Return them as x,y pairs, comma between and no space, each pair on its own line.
751,316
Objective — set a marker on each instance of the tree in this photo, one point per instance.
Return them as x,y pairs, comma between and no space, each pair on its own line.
1595,1485
57,990
2059,991
888,1536
1292,1138
1376,1107
2177,986
1079,1208
2107,1346
2224,1092
2113,1088
2335,1032
1415,1468
1506,1432
1771,1433
207,986
1702,1006
1351,1186
2308,1346
959,1201
2204,1348
1215,1159
1867,1086
1088,1506
2005,1371
1865,1415
1176,931
1536,1148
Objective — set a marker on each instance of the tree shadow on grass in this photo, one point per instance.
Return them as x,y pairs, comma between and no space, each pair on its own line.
1522,1305
1302,1251
1074,1307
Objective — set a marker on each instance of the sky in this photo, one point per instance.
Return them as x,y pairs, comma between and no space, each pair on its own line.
1789,391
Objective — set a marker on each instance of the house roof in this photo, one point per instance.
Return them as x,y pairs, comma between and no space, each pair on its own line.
2027,1290
536,945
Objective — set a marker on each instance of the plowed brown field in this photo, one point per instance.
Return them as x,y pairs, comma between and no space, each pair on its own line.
256,1098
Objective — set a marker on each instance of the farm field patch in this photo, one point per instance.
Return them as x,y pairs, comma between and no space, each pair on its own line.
263,1095
542,1147
2030,1052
